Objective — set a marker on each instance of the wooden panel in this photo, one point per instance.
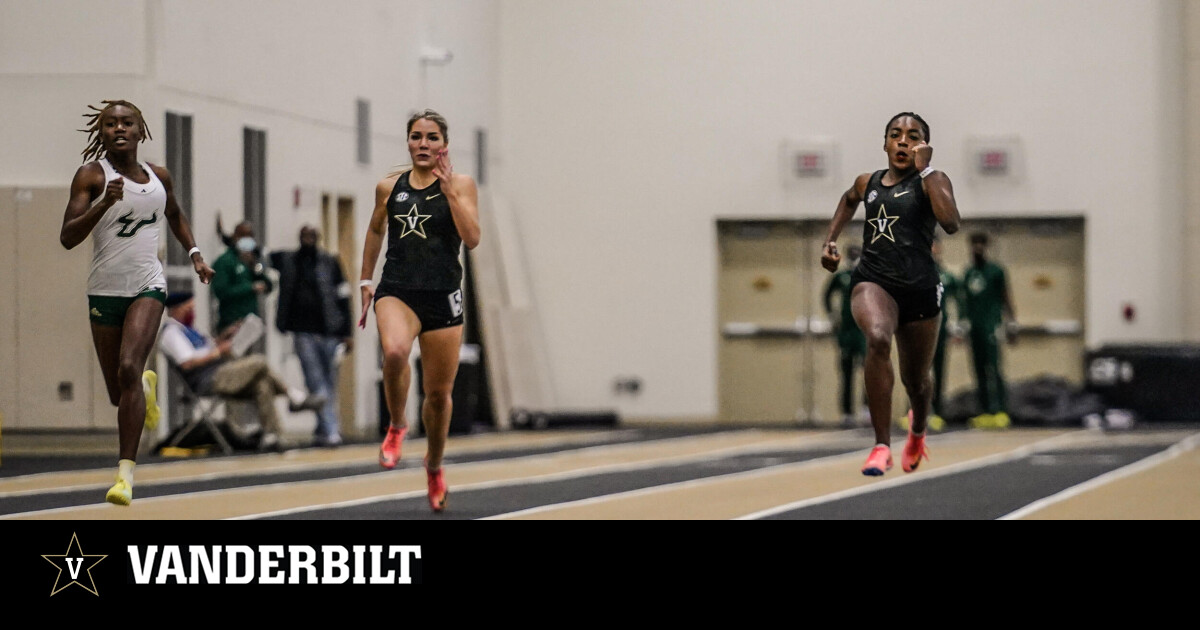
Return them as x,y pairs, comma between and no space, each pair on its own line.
54,337
8,308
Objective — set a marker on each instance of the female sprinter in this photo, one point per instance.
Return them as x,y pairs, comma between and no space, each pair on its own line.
427,212
896,290
119,200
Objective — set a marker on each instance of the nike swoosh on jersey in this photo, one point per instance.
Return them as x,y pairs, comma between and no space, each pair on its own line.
901,194
432,196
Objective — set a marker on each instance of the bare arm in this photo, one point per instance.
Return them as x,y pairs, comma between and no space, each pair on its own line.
179,225
847,206
463,196
941,196
81,217
938,189
376,230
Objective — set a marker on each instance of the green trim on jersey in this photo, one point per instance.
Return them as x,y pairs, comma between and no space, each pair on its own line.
109,310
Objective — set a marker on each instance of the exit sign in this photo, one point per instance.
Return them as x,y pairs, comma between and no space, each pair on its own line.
993,162
809,164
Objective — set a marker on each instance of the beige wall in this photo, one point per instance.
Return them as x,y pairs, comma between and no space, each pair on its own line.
1191,222
293,68
629,127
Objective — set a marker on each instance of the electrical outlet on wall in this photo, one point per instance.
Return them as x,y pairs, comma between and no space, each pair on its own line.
627,385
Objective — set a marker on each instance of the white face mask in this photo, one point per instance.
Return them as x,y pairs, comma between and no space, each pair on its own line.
246,244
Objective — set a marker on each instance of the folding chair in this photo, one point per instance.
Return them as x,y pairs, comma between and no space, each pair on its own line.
200,411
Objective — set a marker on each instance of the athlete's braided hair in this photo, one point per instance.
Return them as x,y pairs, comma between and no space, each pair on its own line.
924,125
95,148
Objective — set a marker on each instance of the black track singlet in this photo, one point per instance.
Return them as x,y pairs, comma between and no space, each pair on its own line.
423,243
898,235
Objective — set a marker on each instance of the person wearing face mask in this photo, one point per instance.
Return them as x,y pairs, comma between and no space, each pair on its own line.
240,279
314,305
208,367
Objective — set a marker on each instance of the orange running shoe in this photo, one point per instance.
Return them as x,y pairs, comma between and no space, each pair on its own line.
878,462
437,487
389,453
914,451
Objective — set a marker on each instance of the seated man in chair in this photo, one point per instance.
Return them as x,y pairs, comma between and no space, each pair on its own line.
209,368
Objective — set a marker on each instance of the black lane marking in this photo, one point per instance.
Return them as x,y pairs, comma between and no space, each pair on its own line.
473,504
982,493
411,459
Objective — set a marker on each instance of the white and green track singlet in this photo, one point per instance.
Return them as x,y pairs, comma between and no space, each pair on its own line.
125,242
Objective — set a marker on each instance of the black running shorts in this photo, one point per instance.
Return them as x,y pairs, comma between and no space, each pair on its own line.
435,309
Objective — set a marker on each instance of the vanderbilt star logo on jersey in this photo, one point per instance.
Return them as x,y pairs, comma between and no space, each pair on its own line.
883,225
413,222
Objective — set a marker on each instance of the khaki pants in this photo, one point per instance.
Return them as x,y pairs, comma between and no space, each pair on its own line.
251,377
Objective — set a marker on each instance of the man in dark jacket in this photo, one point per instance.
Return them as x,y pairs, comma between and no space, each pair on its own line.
314,305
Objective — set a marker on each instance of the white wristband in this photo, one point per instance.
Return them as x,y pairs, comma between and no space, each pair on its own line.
193,251
925,173
365,283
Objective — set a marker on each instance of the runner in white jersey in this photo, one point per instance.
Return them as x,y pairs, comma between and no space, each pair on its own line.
119,201
125,241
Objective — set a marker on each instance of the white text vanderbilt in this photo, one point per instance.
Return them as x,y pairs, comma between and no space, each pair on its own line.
272,564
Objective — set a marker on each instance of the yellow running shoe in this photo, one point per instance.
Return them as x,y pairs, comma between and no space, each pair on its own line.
120,494
982,421
1001,421
150,389
933,423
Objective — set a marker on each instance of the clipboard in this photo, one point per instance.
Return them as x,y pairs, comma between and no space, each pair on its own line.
250,331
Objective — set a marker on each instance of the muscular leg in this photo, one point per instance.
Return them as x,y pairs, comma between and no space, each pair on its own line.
915,343
140,330
439,362
876,313
107,340
398,327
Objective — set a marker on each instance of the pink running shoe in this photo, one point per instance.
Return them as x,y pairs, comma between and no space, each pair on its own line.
878,462
437,488
914,451
389,453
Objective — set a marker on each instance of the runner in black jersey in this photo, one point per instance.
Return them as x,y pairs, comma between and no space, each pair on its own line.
428,212
896,291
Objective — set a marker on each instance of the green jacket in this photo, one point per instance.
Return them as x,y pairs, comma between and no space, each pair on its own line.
985,289
233,286
848,334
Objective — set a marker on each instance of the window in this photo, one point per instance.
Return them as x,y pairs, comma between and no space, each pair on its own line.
179,162
363,123
254,179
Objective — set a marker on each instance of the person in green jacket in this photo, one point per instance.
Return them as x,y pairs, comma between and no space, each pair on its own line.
240,279
952,293
988,303
852,345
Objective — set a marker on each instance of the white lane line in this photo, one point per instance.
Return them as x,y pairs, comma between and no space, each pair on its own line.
1179,448
559,476
747,474
251,471
677,485
983,462
600,449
